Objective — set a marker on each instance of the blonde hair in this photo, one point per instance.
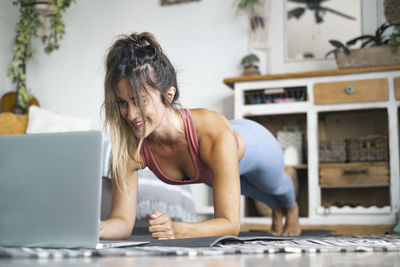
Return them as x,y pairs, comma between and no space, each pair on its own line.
140,59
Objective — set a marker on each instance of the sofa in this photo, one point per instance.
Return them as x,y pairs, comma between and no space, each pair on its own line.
177,201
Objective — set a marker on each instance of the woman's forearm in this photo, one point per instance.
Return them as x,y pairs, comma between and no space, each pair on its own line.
115,228
213,227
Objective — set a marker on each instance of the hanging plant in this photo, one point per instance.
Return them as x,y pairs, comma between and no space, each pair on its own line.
250,7
26,30
258,12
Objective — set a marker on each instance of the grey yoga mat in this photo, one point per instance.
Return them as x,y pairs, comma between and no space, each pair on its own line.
143,235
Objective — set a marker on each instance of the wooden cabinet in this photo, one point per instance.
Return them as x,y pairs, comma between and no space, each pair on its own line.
336,111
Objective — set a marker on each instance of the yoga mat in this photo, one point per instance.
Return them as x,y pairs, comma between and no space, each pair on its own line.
143,235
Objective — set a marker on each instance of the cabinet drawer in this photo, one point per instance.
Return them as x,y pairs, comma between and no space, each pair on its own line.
353,174
351,91
397,87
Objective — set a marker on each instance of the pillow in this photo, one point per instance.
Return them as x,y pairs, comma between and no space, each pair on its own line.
106,158
153,194
45,121
11,123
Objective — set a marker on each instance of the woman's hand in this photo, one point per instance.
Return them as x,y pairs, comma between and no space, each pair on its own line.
161,226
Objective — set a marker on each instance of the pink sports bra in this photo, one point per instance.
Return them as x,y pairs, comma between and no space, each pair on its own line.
203,174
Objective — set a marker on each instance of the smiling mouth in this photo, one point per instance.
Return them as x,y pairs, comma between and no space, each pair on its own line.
137,125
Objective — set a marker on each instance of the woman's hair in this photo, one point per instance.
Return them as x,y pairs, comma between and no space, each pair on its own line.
139,58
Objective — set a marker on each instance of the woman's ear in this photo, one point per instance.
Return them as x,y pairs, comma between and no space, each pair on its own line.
171,94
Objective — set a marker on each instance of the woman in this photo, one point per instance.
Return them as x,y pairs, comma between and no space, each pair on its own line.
184,146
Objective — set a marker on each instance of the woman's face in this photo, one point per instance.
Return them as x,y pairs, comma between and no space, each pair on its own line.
153,108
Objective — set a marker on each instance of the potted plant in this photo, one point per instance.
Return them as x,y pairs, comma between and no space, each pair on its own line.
377,49
27,29
250,64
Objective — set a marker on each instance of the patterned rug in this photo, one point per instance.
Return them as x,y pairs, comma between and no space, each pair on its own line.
227,245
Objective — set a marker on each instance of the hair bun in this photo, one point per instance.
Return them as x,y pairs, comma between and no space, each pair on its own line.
145,39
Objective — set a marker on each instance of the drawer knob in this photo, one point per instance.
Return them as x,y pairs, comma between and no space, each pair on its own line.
349,90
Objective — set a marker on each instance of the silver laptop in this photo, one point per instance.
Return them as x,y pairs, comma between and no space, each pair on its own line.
50,190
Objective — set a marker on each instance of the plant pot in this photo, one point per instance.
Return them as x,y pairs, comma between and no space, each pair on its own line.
8,101
369,56
42,6
251,70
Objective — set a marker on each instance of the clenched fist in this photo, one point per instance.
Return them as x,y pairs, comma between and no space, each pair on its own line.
161,226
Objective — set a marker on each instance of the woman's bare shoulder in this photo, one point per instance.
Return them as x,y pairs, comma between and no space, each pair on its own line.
203,115
209,122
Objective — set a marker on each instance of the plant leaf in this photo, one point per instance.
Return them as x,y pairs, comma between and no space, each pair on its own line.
336,43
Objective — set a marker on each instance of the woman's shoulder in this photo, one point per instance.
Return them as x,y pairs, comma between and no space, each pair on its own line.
208,121
202,114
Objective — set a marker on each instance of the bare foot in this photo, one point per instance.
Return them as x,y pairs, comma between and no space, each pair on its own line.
277,216
292,225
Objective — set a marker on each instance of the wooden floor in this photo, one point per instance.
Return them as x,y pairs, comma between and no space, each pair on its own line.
337,229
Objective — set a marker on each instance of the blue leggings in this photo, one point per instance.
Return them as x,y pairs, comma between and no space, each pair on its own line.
261,168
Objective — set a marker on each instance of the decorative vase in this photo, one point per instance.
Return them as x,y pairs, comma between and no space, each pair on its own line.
369,56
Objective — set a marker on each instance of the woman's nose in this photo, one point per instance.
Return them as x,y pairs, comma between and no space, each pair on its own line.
133,113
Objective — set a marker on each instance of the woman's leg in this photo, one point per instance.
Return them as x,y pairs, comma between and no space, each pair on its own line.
263,177
249,190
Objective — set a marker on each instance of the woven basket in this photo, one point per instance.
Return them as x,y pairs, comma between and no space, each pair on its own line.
332,151
369,56
368,148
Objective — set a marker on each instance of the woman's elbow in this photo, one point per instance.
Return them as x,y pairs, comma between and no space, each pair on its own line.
234,228
119,228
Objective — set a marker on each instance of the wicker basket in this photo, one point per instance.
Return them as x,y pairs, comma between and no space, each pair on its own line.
332,151
275,95
368,148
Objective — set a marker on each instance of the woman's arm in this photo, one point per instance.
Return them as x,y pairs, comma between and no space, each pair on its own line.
123,210
218,150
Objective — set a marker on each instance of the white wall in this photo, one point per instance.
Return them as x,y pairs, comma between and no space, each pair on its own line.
205,40
8,19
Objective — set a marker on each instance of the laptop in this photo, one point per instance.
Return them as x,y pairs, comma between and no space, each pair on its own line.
50,190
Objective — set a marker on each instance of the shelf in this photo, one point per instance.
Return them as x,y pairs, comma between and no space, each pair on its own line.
298,166
254,78
356,210
354,186
275,108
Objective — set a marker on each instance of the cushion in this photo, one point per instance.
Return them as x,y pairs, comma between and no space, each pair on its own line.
106,157
45,121
153,194
11,123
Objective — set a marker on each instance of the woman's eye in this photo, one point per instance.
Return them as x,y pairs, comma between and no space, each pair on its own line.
122,103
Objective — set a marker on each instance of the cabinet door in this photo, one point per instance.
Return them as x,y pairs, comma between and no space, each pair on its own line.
397,87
